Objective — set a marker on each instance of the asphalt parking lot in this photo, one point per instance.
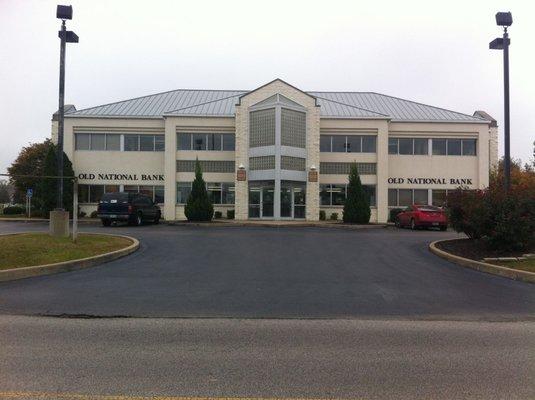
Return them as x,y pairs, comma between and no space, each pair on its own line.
266,272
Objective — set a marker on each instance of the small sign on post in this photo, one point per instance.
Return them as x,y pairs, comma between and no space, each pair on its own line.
29,194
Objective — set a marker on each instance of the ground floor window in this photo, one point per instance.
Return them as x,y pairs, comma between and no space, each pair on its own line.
438,197
407,197
334,194
219,192
93,193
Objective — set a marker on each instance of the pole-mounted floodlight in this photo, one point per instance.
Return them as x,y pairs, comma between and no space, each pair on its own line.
65,36
505,19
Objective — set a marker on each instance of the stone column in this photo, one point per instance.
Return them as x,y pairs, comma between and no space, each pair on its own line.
169,210
382,173
241,188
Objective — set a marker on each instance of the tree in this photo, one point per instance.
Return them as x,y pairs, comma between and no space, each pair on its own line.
5,192
30,161
199,207
521,176
39,159
357,205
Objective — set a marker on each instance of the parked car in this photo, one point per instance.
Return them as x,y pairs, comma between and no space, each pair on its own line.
422,216
134,208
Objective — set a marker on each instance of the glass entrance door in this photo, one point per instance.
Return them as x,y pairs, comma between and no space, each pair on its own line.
293,196
261,199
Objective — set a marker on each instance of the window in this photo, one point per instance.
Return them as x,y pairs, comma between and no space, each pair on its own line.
392,146
407,197
147,191
420,196
420,146
227,193
199,141
184,141
469,147
183,190
354,144
439,147
131,142
159,194
214,192
113,142
98,142
146,143
335,194
348,144
369,144
261,163
262,128
229,142
339,144
159,142
83,141
293,163
342,168
405,146
438,197
325,143
293,128
454,147
206,166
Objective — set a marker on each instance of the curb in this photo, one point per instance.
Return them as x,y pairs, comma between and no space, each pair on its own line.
271,225
66,266
80,221
504,272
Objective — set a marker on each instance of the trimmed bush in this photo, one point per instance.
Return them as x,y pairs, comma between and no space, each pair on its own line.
93,214
230,214
14,210
357,205
199,207
334,216
468,213
323,217
394,214
218,214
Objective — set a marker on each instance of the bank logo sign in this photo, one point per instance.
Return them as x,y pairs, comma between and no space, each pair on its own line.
121,177
431,181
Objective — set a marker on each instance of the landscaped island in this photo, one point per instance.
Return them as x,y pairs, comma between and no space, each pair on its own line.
29,249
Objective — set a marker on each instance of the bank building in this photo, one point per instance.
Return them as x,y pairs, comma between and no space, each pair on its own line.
277,152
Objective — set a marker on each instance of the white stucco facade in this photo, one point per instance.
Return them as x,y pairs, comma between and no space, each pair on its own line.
278,152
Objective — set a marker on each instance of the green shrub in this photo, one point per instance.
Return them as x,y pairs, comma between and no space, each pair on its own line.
334,216
468,213
356,206
14,210
199,207
82,214
93,214
230,214
394,214
218,214
322,215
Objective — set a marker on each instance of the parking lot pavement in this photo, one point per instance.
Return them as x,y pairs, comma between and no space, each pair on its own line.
259,272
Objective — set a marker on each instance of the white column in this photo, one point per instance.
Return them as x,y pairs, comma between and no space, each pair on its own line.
170,170
382,173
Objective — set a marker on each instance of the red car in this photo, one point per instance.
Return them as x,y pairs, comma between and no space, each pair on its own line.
422,216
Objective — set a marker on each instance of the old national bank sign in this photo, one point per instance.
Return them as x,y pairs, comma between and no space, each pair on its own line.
277,152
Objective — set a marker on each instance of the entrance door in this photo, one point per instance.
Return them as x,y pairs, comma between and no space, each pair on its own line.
299,201
286,201
261,199
293,202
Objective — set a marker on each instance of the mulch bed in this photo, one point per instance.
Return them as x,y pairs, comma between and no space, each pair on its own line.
476,249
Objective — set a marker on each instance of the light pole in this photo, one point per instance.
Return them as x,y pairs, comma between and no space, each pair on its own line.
505,19
65,36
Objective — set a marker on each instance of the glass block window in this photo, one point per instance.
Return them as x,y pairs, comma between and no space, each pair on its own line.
292,163
342,168
293,128
206,166
262,162
262,128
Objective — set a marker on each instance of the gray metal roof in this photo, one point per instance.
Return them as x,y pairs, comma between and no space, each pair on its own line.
186,102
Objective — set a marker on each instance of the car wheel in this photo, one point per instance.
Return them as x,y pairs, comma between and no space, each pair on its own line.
397,223
413,224
139,219
106,222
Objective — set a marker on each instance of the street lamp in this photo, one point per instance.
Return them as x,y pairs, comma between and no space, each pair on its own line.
63,13
505,19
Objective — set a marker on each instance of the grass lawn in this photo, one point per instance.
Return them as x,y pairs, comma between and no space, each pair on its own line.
30,249
526,265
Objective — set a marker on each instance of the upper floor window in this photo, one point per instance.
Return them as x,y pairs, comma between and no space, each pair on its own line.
454,147
98,141
408,146
262,128
206,141
112,142
348,143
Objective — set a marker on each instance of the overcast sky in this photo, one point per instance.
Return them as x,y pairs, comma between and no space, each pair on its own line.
427,51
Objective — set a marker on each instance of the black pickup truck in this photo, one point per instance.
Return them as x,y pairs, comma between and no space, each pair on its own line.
134,208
